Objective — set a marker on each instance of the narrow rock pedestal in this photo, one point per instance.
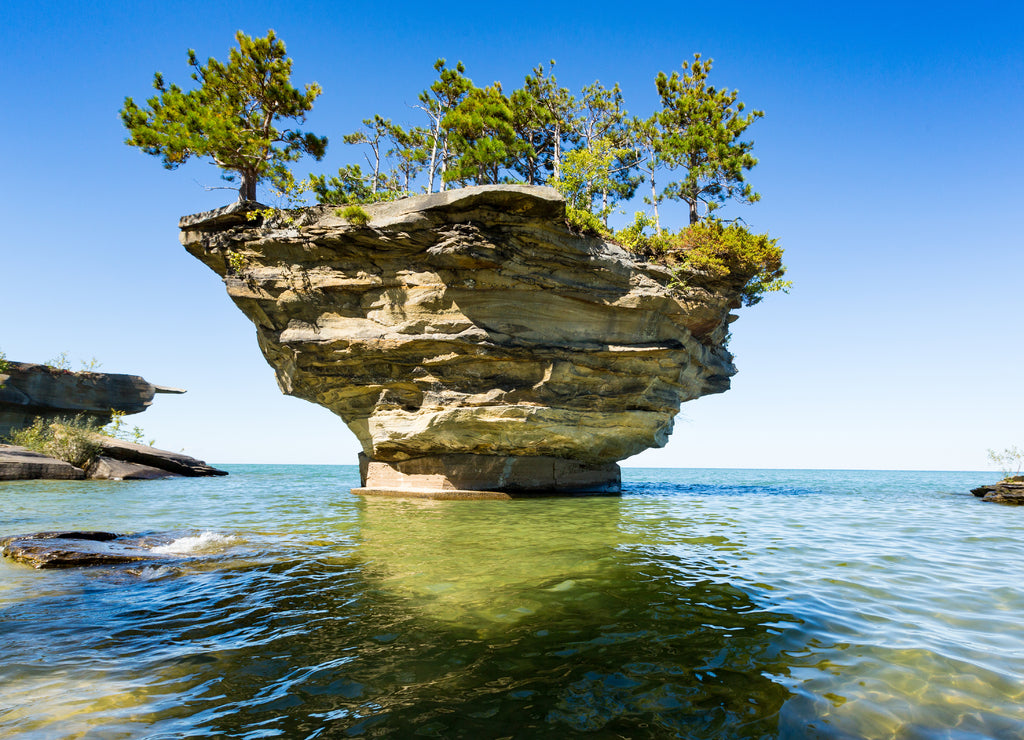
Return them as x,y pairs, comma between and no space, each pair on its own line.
486,477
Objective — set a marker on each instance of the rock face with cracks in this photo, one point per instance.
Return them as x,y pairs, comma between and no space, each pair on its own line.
471,322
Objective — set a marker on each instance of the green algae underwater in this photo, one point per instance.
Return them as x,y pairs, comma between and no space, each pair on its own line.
699,604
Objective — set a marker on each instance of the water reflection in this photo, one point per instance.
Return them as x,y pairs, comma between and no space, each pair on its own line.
447,619
529,619
714,604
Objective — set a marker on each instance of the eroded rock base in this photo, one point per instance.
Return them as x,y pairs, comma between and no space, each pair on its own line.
486,477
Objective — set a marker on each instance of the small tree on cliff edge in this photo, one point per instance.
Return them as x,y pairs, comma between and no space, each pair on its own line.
231,116
701,128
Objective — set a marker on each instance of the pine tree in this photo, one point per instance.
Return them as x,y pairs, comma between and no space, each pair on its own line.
602,128
647,139
408,149
350,185
532,125
701,128
482,139
231,117
559,107
437,101
377,131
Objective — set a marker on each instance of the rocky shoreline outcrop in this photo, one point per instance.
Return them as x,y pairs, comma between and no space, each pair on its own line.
75,549
117,460
1008,491
29,391
470,340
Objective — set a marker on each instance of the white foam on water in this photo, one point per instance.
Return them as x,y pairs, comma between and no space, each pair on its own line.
205,543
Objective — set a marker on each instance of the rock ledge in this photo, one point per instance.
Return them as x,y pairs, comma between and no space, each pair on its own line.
1010,491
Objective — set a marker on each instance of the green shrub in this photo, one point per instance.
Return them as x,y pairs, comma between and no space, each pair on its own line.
712,254
1010,461
70,440
60,362
652,247
355,215
753,262
236,261
31,437
118,430
584,222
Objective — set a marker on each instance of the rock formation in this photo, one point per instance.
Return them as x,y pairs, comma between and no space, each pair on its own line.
17,463
70,549
116,460
469,338
28,391
1007,491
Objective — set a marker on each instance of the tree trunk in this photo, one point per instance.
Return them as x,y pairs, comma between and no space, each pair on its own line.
694,218
557,152
444,166
433,162
654,202
247,188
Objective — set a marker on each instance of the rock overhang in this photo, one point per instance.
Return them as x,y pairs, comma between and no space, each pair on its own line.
470,322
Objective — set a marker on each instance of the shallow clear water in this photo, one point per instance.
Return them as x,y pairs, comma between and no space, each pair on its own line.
700,604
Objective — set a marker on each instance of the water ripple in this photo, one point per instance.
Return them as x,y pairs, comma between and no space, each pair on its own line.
701,604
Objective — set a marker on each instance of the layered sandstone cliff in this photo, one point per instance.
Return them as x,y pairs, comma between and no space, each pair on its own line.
471,330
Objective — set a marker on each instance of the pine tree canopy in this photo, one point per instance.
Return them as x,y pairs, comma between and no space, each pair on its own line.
231,116
701,128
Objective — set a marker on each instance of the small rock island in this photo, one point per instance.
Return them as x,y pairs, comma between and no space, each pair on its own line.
474,343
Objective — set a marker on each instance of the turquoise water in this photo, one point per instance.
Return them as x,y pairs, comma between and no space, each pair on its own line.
700,604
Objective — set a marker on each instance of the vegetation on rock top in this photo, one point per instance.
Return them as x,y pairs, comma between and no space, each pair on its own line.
1010,461
73,440
586,145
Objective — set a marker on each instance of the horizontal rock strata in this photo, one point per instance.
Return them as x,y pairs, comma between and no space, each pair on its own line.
17,463
470,322
467,476
174,463
28,391
117,460
1005,492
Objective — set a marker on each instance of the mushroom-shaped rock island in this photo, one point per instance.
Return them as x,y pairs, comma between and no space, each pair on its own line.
473,342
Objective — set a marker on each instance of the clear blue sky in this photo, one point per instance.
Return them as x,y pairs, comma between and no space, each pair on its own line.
891,154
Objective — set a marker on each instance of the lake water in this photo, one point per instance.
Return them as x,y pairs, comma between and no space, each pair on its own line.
700,604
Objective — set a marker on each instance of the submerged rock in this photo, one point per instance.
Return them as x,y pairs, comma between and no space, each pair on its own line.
71,549
472,323
66,549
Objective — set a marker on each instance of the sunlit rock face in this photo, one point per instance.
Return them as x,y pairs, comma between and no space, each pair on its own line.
469,322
